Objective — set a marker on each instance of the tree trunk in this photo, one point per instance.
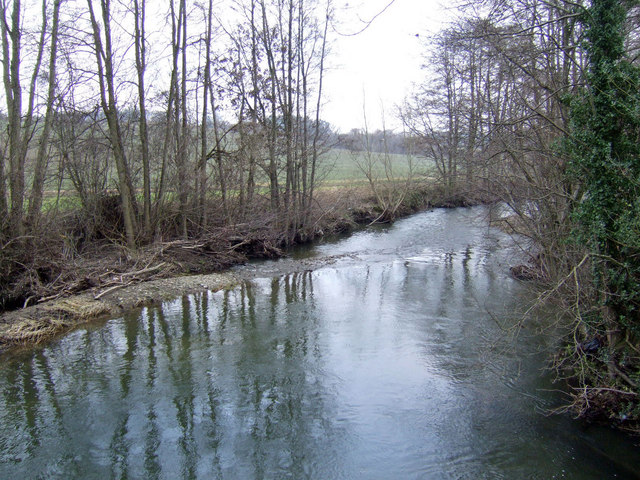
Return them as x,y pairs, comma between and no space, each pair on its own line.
316,133
141,65
202,166
35,204
273,126
183,179
3,194
109,107
13,93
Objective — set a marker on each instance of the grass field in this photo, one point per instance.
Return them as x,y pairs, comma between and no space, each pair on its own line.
336,168
341,167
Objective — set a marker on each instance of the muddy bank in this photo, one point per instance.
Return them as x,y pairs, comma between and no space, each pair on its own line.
38,323
108,280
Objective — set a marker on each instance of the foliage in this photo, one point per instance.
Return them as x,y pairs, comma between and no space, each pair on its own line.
604,153
605,157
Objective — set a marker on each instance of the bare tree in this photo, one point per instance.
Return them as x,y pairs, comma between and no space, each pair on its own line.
201,176
20,129
389,187
139,7
39,175
106,81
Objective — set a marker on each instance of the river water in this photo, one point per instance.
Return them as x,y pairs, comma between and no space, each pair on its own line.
386,355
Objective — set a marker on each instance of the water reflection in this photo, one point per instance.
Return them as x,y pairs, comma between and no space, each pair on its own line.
391,364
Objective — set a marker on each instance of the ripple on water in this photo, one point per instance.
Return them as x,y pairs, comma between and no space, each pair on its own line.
379,356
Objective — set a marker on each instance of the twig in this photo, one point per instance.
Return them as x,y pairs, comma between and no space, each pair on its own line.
548,293
26,302
144,270
624,376
108,290
614,390
378,218
193,247
238,245
16,239
50,297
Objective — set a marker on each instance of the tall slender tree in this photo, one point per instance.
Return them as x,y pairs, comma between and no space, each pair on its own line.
106,82
39,174
140,41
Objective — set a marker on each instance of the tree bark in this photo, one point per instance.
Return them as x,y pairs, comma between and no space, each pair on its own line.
13,92
35,204
108,99
141,65
206,84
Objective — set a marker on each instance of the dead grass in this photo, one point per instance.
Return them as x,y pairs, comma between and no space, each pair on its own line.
33,331
77,308
50,320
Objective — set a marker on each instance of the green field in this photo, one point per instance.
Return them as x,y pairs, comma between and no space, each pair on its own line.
341,167
336,168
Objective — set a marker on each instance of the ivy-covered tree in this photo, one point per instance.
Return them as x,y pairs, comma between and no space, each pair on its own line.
604,149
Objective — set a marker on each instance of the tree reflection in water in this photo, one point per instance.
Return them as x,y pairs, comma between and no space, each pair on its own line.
395,365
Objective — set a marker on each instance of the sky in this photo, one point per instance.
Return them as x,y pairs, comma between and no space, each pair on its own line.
373,66
377,67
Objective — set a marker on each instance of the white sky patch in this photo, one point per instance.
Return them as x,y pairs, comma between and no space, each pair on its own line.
379,65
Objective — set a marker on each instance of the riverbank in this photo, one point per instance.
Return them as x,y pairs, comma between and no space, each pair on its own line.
175,268
107,279
36,324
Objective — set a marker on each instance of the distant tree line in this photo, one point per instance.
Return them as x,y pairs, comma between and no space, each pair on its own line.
388,141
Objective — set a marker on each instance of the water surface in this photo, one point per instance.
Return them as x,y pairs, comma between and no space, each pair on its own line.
393,360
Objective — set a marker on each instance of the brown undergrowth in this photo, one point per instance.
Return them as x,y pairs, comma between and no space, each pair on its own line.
597,366
53,282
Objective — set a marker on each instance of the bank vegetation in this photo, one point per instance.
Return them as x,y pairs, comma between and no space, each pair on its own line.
537,102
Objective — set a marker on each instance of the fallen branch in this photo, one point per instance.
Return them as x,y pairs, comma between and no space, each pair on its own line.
144,270
613,390
115,287
50,297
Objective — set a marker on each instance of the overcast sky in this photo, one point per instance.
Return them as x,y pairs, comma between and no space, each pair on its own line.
380,64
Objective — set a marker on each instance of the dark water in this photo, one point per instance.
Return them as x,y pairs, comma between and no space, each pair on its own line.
393,361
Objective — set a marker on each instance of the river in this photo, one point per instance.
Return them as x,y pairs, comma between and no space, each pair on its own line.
388,354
